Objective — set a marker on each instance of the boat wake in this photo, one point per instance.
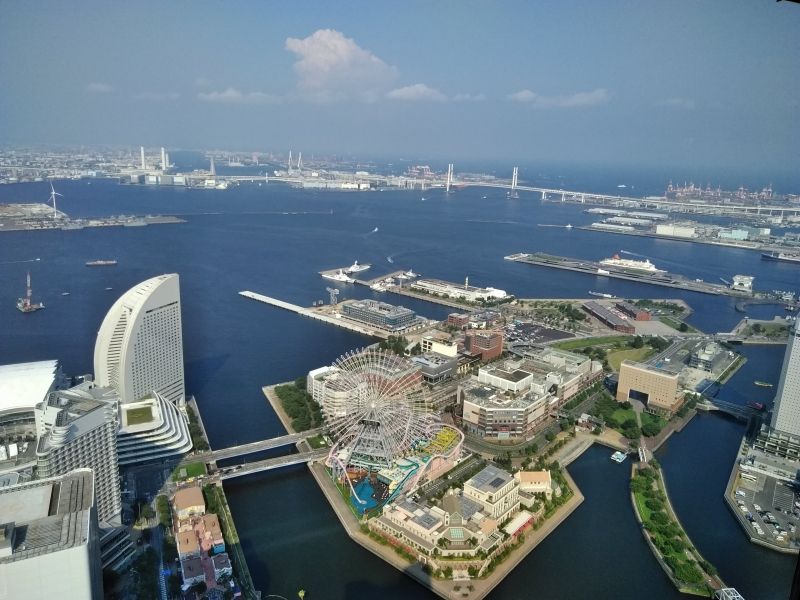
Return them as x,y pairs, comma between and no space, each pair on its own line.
19,262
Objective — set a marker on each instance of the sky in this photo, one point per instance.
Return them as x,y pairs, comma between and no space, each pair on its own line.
679,82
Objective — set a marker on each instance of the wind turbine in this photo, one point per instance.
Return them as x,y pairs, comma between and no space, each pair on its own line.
53,194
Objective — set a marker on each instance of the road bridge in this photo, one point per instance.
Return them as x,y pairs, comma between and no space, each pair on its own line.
738,411
252,447
270,464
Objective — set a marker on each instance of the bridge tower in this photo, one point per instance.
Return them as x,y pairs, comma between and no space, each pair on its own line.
544,195
290,163
213,167
449,177
514,179
299,161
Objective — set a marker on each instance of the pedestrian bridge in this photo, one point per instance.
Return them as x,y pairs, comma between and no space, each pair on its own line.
252,447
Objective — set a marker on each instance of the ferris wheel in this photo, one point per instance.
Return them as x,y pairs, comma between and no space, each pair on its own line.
374,410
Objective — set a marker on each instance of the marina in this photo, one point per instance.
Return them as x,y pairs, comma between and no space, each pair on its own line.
616,270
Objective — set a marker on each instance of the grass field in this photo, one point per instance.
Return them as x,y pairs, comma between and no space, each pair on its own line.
621,415
137,416
197,469
638,354
316,441
594,341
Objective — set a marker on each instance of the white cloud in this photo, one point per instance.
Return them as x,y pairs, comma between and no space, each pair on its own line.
578,100
157,96
99,88
332,67
469,97
417,92
233,96
681,103
523,96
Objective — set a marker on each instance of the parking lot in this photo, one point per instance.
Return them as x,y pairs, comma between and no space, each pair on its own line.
769,506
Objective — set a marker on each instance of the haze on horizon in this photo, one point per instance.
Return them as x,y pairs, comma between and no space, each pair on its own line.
711,83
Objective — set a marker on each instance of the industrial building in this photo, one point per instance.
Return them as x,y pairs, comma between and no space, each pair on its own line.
633,311
658,389
380,314
49,545
679,231
608,318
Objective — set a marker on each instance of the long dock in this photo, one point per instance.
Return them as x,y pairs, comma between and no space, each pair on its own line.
663,279
315,314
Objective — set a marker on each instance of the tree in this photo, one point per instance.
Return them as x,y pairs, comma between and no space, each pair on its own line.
550,436
637,342
683,327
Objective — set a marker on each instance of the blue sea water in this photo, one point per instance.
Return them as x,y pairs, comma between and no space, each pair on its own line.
274,240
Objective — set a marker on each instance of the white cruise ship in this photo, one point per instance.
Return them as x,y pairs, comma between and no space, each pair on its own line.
633,265
338,276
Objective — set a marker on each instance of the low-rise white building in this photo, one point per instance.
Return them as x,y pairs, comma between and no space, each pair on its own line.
496,491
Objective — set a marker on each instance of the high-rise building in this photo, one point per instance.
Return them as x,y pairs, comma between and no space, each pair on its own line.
139,348
786,412
139,353
49,545
77,428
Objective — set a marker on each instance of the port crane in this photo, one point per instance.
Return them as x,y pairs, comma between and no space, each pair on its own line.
334,295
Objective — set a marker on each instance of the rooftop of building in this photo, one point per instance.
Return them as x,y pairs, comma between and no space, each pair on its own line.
533,477
487,396
192,567
432,359
490,480
508,372
24,385
389,310
221,561
188,497
46,515
604,313
647,368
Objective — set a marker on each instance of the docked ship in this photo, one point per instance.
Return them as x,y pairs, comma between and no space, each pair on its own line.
101,263
356,268
338,276
631,265
782,257
24,304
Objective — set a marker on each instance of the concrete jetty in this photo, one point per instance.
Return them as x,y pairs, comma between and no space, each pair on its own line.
317,314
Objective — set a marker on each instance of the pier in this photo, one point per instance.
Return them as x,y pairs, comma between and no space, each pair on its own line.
663,279
319,315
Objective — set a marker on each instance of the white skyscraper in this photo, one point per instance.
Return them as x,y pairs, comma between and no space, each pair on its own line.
139,348
77,428
786,412
139,353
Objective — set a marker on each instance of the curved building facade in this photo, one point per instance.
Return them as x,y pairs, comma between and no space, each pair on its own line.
139,347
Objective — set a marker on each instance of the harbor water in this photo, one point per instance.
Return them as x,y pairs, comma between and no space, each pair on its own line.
274,240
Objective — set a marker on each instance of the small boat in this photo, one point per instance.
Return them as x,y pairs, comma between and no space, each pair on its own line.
109,288
763,384
618,456
568,226
101,263
602,295
65,293
756,405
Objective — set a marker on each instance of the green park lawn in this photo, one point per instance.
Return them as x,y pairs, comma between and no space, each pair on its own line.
137,416
636,354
